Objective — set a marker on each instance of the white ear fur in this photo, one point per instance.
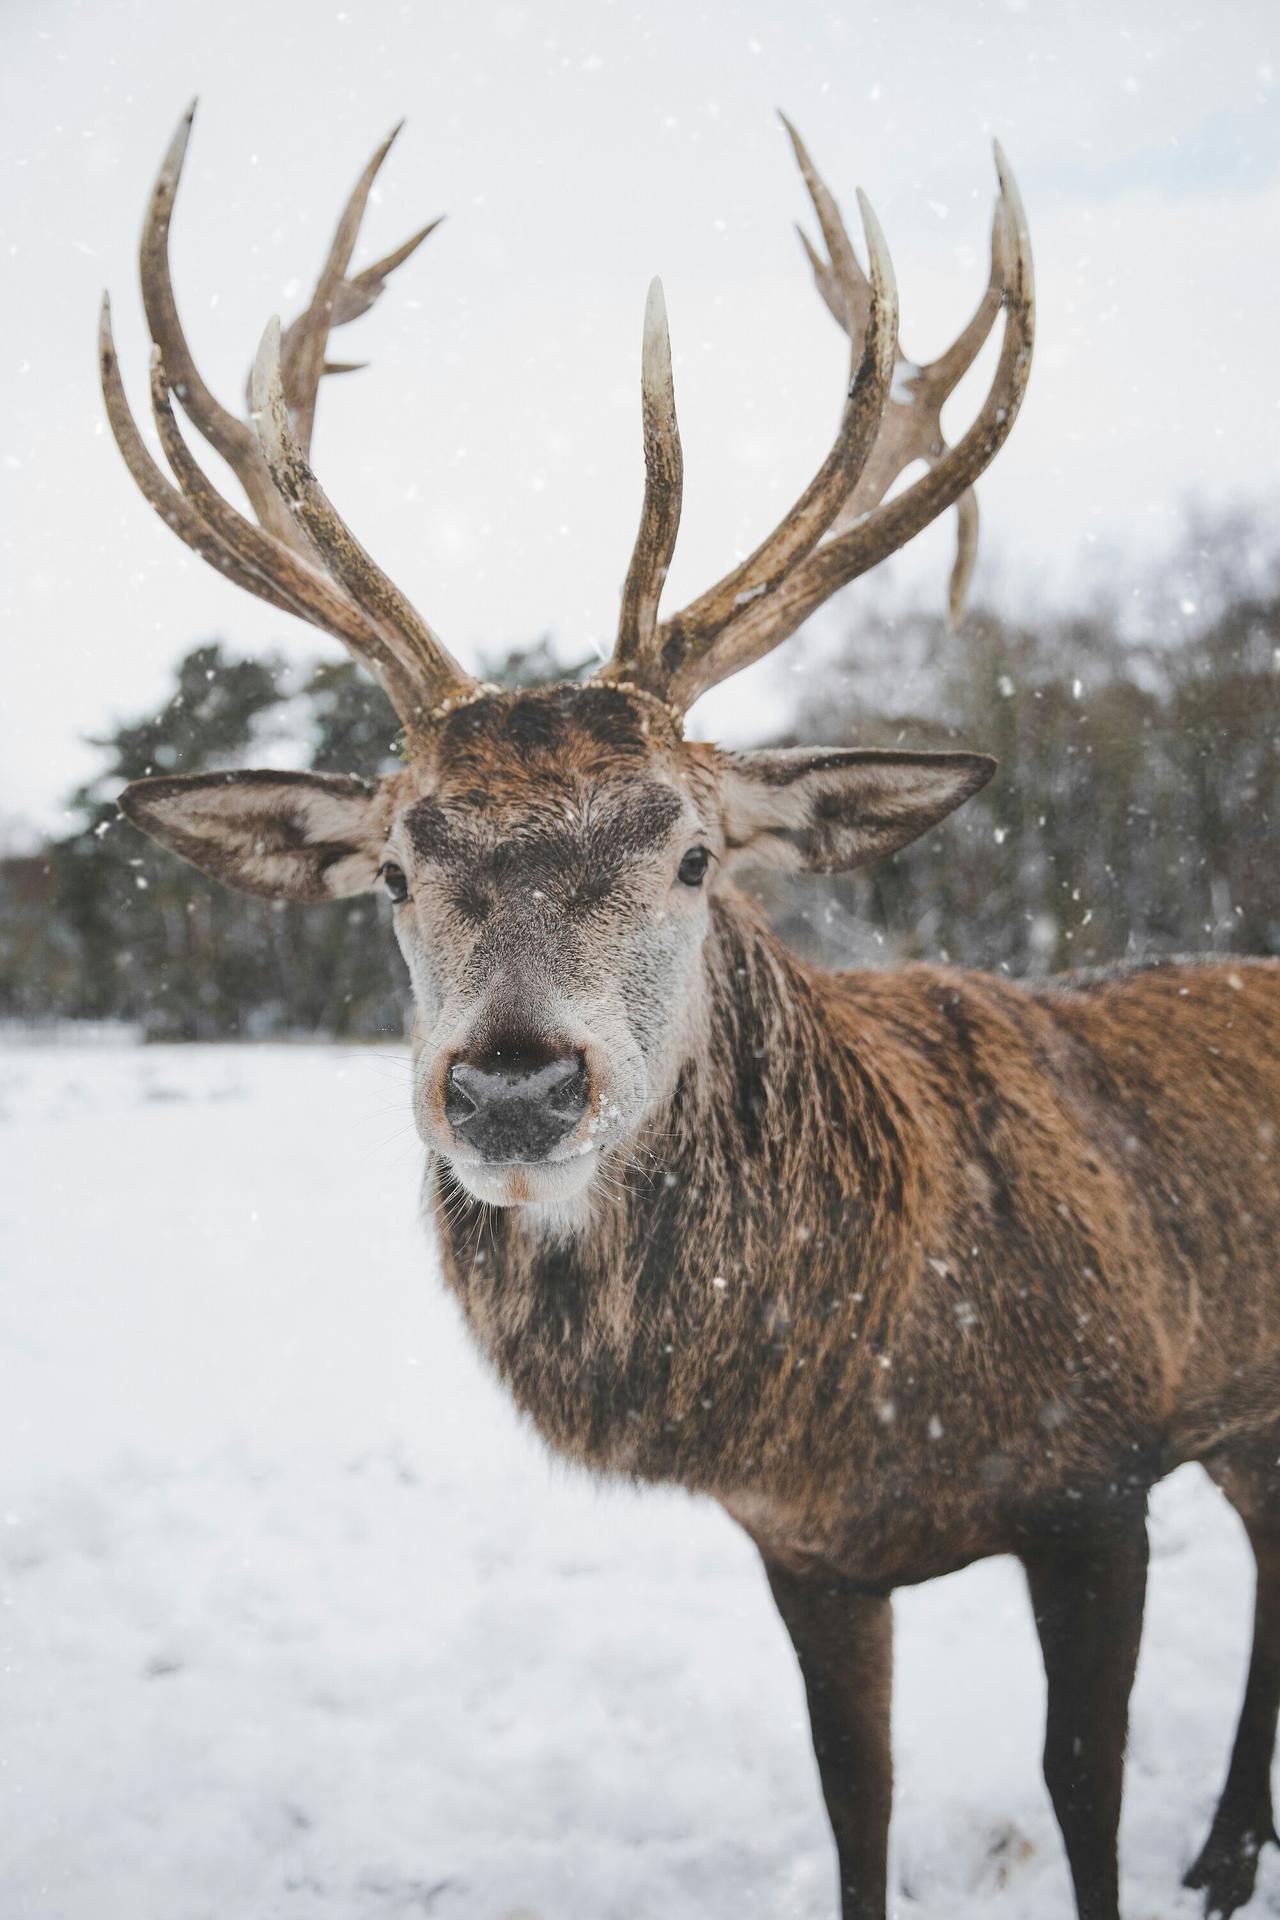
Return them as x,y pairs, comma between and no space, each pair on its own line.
284,836
835,810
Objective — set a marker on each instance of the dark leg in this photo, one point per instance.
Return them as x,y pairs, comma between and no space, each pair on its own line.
1244,1822
843,1639
1087,1588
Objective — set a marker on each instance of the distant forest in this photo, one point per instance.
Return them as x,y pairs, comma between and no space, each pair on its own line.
1135,812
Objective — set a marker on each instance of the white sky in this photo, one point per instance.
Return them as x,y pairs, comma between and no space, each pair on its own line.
491,455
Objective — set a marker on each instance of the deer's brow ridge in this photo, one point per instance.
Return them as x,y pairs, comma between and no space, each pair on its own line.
614,827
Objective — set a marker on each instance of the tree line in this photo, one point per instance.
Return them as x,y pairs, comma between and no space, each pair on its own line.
1134,812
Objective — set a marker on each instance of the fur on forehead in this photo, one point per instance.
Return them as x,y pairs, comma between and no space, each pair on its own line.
593,732
521,753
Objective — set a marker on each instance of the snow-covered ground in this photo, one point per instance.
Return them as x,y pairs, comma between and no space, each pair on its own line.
296,1620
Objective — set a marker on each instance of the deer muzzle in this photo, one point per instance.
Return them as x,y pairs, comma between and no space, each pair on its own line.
511,1108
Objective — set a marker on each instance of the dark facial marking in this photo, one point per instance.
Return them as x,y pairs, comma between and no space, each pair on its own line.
584,856
473,901
534,723
431,833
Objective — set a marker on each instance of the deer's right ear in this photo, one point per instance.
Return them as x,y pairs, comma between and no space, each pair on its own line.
285,836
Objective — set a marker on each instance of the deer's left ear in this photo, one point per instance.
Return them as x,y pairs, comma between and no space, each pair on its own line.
830,811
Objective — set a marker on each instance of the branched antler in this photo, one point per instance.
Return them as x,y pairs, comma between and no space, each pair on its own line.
297,553
841,525
912,425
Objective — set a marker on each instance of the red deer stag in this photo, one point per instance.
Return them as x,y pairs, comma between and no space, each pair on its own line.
904,1268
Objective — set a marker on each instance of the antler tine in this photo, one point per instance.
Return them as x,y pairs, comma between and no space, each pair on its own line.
944,374
845,287
693,631
226,434
370,281
156,486
967,524
337,300
437,676
292,582
357,295
825,280
912,426
663,488
770,620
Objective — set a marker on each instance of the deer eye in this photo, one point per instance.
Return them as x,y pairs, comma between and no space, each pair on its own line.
692,870
395,883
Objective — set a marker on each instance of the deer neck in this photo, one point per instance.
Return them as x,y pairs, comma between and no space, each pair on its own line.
733,1283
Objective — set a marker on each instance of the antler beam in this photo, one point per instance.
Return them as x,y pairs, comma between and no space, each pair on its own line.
765,624
298,554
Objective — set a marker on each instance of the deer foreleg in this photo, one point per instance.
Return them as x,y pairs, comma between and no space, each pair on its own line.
843,1637
1088,1586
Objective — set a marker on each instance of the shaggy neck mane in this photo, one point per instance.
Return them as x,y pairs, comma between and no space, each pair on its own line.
732,1260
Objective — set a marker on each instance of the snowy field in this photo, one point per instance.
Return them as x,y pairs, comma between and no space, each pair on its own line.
296,1620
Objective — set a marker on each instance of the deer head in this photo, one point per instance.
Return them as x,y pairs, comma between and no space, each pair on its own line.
554,858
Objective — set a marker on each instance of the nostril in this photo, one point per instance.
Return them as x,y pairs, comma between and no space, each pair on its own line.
459,1104
566,1085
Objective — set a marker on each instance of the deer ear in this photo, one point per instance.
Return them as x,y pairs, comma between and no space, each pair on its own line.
286,836
830,811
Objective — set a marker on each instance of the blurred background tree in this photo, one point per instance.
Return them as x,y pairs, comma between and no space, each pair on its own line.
1134,812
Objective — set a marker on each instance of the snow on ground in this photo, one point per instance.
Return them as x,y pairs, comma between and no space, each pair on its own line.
297,1620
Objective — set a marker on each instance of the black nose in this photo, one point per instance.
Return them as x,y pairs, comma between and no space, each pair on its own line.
511,1106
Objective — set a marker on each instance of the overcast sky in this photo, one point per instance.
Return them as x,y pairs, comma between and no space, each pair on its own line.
490,457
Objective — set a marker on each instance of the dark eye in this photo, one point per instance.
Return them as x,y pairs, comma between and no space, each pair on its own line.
395,883
692,870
